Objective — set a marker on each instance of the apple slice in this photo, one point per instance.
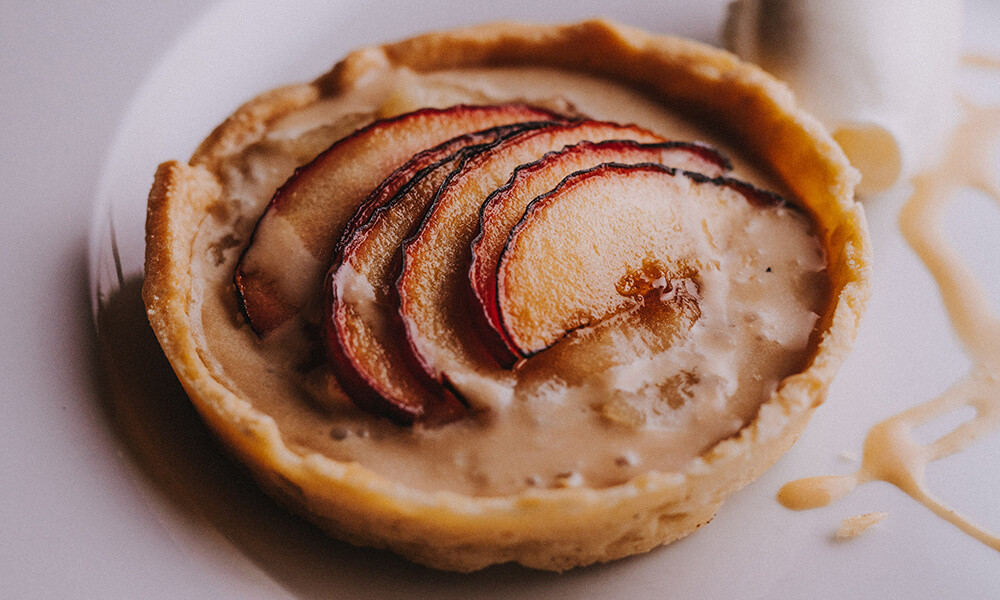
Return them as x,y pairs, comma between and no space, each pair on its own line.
605,237
364,338
504,208
386,190
433,285
291,247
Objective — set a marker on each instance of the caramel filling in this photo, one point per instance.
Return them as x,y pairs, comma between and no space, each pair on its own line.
603,405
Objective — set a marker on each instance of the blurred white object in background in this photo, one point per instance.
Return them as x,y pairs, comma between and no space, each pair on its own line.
879,74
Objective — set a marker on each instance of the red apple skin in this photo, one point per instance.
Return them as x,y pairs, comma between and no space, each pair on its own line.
497,215
432,404
386,190
316,202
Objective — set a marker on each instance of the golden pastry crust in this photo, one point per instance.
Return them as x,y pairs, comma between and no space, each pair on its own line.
553,529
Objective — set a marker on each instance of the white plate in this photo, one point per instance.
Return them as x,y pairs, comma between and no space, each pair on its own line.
238,543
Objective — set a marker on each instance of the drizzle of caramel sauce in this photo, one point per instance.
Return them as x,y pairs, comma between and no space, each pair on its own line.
891,453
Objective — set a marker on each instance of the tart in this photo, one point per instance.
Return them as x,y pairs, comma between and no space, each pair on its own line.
587,330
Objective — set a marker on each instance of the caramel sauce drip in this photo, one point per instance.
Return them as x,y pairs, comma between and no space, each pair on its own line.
891,453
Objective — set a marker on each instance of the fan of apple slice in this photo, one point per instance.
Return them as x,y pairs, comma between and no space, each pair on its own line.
433,284
395,208
402,177
364,338
578,253
505,206
367,346
294,241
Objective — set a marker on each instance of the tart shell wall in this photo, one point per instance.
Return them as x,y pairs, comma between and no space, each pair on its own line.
547,529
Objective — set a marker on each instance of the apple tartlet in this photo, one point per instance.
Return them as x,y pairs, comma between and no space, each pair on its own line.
541,294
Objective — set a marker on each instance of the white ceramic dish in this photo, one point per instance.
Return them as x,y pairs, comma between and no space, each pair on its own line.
240,544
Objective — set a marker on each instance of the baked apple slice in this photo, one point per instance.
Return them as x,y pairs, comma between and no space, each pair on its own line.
364,338
595,245
505,207
433,284
399,178
291,247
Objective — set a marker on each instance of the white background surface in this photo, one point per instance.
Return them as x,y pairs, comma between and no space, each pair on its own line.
83,515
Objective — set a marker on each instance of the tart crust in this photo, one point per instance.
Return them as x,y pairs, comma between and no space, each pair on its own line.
552,529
